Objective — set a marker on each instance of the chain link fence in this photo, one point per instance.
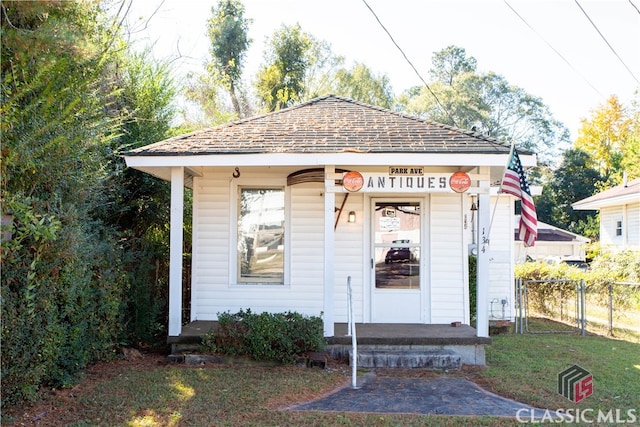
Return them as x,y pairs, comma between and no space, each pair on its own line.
572,306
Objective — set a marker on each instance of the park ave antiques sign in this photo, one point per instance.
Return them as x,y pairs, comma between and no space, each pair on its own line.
406,179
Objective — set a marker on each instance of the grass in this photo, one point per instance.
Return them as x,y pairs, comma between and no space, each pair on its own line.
152,393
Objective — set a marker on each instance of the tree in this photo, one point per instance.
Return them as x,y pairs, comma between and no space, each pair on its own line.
281,81
136,205
571,181
610,136
228,33
72,99
360,84
449,63
487,103
62,281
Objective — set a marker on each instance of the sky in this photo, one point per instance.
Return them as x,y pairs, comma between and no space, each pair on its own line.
573,60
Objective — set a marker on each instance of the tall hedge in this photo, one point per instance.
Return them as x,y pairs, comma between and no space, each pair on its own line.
69,260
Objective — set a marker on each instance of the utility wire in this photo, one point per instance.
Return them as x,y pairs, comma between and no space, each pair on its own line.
553,48
411,64
635,7
607,42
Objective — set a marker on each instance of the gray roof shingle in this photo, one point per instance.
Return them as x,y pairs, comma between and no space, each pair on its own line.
329,124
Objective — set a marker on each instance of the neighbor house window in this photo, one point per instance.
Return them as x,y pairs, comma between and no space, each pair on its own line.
619,228
261,235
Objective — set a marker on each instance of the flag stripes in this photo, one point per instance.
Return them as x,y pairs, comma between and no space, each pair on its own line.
515,183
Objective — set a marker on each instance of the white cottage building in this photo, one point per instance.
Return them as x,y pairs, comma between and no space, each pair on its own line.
619,215
287,206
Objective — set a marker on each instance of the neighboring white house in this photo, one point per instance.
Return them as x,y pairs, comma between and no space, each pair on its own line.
288,205
619,215
552,244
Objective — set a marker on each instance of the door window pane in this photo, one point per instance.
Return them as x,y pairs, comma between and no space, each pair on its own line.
397,245
261,235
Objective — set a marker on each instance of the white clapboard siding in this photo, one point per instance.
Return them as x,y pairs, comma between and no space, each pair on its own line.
630,217
213,286
447,269
307,246
609,216
633,235
210,242
501,285
349,258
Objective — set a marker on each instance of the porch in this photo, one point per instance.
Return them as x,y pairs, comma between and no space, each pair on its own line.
377,341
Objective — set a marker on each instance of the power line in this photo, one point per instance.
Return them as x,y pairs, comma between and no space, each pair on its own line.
607,42
553,48
411,64
635,7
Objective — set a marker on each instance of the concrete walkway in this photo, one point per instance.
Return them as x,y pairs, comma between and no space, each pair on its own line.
442,396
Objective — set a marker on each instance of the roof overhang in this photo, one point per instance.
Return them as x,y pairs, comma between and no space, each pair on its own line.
160,166
146,163
603,203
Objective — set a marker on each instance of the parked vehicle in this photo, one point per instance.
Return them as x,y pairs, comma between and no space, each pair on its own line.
398,254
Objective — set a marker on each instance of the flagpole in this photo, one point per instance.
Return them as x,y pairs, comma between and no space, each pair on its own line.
495,206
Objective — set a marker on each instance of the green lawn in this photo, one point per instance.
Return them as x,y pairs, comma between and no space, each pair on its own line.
151,393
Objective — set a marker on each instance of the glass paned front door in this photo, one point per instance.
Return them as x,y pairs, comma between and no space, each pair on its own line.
397,245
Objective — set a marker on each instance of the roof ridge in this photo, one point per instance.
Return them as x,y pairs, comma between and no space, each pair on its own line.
410,117
310,126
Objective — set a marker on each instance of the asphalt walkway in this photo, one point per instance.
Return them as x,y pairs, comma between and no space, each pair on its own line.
443,396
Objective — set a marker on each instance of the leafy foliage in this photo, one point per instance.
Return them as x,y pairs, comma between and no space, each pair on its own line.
61,282
611,137
571,181
473,290
71,99
279,337
486,102
228,32
280,82
606,268
360,84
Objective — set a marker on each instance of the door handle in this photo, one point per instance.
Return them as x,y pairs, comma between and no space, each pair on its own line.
371,262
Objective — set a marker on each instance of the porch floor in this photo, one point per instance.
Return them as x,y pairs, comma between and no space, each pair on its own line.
402,334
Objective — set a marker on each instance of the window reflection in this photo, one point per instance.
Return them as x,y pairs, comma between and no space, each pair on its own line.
397,245
261,235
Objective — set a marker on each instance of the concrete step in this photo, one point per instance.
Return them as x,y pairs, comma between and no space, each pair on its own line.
432,359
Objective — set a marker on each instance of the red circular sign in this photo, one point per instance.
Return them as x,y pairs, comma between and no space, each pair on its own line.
352,181
460,182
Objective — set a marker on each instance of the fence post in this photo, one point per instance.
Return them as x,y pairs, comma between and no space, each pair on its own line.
519,301
583,314
610,309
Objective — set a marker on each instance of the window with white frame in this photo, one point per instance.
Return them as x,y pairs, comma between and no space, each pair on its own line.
261,235
618,228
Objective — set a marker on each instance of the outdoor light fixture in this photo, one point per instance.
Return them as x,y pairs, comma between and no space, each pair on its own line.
474,206
352,216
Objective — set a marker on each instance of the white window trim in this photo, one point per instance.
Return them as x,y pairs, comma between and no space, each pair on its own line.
233,231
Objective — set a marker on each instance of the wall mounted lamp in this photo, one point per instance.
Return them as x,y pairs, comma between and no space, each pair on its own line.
352,217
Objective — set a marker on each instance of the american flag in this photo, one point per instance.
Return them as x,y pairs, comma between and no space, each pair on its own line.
515,183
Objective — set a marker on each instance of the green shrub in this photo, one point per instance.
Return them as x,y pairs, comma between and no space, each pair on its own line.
605,269
473,296
279,337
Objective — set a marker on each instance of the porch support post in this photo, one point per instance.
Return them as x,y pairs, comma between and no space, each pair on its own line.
175,251
482,268
329,250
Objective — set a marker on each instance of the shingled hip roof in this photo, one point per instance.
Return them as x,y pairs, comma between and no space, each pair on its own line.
329,124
